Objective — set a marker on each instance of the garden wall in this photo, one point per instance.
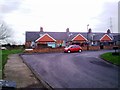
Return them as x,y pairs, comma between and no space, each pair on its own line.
46,50
61,49
108,47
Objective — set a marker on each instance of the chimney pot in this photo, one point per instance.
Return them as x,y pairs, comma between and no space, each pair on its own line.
89,30
41,29
108,31
67,30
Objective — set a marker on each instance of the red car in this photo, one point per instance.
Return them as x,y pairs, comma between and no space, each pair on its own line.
73,48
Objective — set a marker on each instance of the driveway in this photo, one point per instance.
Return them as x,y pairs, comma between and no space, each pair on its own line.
74,70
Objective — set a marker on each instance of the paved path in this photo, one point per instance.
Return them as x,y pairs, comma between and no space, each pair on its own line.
74,70
16,70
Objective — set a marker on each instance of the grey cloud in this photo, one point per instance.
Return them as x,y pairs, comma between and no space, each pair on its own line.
109,10
9,5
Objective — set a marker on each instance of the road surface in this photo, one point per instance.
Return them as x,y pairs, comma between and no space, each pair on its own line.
74,70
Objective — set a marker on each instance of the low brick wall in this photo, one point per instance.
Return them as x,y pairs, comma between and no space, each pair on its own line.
91,48
46,50
61,49
84,48
98,47
94,48
108,47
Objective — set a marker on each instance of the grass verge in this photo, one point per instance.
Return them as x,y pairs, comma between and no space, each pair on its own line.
4,57
114,59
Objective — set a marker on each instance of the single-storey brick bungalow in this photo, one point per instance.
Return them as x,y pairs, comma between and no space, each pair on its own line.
42,39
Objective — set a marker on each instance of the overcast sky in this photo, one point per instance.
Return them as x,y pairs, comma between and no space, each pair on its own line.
57,15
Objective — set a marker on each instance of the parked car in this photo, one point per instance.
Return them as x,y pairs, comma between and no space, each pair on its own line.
7,85
3,48
73,48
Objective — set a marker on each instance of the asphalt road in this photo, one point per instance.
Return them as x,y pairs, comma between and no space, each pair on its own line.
74,70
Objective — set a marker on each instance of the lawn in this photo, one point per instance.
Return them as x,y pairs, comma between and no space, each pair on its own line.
4,57
111,58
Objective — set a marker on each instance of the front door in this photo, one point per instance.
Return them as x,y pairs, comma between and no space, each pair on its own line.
101,46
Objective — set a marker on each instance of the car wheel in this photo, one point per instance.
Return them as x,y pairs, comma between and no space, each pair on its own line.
80,50
69,51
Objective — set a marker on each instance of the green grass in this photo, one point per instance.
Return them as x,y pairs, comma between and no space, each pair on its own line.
5,54
4,57
111,58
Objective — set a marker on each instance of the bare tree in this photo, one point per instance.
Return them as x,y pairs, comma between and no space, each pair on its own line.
5,31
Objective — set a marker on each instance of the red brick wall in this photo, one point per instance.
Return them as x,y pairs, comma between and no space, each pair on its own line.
97,47
91,48
45,50
108,47
84,48
27,44
94,48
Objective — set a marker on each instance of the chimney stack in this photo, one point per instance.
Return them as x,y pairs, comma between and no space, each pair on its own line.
41,29
108,31
67,30
89,30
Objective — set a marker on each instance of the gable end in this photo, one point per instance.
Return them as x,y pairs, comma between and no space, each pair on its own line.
79,37
46,38
106,38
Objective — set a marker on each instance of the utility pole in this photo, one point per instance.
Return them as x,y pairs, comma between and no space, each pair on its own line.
87,38
87,26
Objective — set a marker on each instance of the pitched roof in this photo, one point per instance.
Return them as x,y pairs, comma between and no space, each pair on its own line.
105,37
45,38
79,37
58,35
71,35
33,36
98,36
67,36
117,37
